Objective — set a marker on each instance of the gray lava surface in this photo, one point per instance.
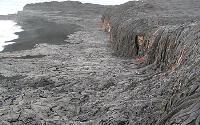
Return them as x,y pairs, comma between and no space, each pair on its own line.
83,82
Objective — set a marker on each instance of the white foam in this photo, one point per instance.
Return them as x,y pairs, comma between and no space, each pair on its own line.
8,28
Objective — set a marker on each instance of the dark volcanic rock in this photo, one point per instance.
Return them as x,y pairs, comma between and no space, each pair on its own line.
167,33
81,82
50,23
144,18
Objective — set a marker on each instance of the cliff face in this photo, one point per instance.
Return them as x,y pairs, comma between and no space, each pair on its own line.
164,37
144,18
81,82
67,7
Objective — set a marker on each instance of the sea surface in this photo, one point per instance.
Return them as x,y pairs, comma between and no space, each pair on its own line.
8,28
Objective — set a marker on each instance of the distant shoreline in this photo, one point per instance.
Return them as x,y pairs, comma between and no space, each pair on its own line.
38,31
8,17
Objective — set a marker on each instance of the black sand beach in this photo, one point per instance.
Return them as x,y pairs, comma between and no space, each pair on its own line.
38,31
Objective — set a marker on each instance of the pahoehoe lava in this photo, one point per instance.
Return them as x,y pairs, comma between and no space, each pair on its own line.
143,70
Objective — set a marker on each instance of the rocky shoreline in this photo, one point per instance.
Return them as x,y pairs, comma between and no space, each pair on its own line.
8,17
86,82
37,31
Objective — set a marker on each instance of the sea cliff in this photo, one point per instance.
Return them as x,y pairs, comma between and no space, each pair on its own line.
143,70
167,35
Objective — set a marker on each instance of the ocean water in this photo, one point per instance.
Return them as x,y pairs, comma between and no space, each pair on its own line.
7,32
8,28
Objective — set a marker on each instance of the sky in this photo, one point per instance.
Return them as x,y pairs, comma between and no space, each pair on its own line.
12,6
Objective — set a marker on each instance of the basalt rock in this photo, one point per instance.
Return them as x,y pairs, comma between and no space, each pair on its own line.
169,34
81,82
127,21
